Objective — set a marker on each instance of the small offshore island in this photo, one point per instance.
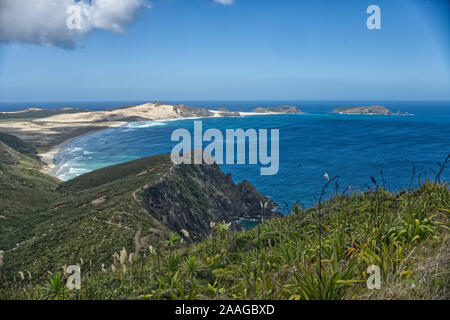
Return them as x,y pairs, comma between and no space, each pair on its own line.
282,109
370,110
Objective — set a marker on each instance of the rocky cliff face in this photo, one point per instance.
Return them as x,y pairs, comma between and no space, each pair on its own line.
190,197
187,112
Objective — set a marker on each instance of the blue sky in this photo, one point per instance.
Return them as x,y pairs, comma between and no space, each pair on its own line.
251,49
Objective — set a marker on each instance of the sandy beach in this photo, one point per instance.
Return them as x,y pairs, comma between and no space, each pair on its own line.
51,168
48,157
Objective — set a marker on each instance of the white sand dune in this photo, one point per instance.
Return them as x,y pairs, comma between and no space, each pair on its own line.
146,112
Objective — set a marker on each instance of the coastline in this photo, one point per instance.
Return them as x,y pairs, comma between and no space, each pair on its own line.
48,157
51,168
49,135
67,126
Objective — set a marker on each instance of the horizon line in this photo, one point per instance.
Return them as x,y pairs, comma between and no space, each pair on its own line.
214,100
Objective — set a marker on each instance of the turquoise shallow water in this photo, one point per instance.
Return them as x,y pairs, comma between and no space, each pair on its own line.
352,147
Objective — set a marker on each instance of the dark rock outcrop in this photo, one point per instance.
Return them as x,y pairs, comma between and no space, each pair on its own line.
190,197
187,112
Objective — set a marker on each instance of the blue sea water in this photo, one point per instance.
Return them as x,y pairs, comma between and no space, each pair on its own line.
352,147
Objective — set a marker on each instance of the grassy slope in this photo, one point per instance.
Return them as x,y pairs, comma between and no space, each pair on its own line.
19,145
405,234
44,224
24,192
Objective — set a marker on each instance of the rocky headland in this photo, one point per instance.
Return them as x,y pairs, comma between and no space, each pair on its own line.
282,109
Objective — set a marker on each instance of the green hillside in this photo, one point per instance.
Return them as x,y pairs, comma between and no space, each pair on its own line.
24,194
46,224
19,145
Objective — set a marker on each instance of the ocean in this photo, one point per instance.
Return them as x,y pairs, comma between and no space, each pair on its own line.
353,148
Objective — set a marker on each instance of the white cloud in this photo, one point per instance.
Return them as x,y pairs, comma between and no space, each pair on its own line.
44,22
224,2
